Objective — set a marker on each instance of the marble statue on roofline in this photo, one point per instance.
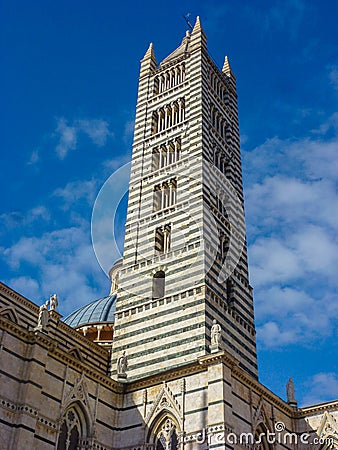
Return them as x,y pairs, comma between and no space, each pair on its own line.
43,317
53,302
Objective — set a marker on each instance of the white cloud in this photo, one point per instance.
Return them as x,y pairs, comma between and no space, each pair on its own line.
28,285
271,332
322,387
62,261
117,162
307,252
272,261
75,191
34,158
14,219
292,215
96,129
67,136
287,315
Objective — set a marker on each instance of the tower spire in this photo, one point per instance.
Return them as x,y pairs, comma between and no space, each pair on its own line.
197,26
148,63
198,37
227,68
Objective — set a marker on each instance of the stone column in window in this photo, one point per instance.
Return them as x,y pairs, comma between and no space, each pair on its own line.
158,121
166,243
176,157
162,197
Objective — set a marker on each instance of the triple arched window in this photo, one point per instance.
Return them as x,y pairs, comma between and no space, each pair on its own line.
169,78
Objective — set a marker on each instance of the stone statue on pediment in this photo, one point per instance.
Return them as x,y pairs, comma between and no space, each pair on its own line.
53,302
43,317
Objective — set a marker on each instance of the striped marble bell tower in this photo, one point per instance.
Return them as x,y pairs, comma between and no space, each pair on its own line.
185,255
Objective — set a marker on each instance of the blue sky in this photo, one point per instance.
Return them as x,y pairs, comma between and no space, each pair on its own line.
69,84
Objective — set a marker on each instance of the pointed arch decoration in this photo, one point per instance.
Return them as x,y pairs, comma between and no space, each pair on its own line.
10,314
164,424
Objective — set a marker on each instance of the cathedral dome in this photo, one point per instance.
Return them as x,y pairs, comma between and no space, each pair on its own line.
98,311
95,320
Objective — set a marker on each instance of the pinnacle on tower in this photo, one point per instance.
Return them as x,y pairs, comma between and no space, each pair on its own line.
197,26
226,67
150,52
148,63
197,35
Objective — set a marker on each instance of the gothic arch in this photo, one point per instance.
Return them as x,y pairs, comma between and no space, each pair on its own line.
164,432
74,427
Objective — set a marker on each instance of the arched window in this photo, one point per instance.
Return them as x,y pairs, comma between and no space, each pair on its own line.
159,284
73,429
165,435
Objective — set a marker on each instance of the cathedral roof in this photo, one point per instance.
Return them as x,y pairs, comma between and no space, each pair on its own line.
180,51
98,311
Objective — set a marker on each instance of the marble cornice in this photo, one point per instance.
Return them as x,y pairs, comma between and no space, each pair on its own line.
316,409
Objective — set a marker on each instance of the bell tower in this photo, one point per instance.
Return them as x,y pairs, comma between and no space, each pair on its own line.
185,253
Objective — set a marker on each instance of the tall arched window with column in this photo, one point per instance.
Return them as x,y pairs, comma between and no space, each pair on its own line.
74,428
164,435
